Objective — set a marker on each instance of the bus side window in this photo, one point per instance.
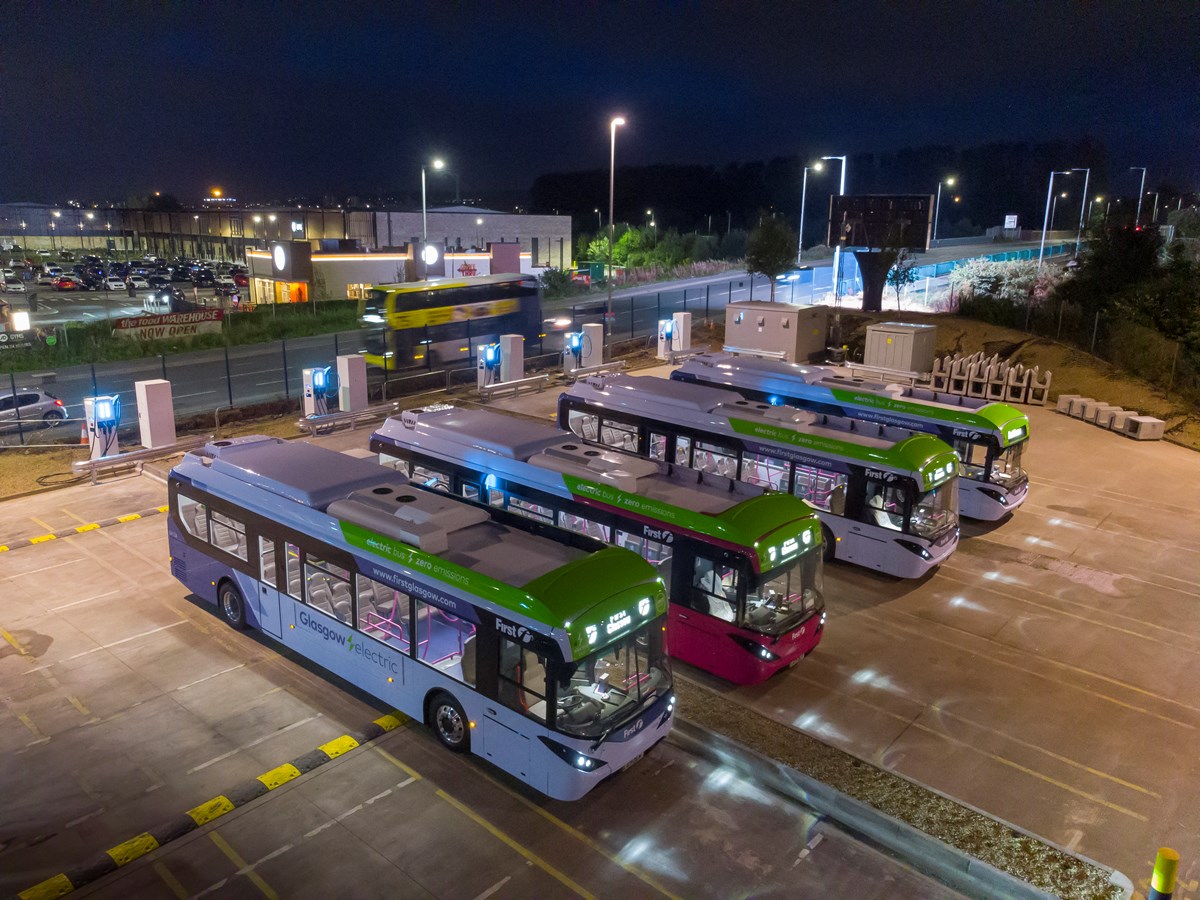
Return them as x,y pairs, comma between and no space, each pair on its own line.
228,534
530,510
716,460
328,588
584,424
823,489
444,641
619,435
431,478
470,491
885,506
194,516
521,682
974,458
384,613
266,561
714,589
765,471
295,582
683,450
658,446
580,525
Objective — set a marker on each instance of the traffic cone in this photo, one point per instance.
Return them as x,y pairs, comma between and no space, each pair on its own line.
83,439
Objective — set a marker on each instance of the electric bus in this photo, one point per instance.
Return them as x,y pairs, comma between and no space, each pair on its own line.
989,437
886,501
545,658
742,566
443,321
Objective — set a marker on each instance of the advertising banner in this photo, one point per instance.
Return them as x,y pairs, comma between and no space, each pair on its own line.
174,325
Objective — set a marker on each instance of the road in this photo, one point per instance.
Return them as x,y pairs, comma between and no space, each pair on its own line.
1047,672
127,704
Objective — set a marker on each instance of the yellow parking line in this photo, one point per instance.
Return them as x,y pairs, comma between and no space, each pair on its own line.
170,880
505,839
28,723
413,773
75,702
234,858
16,645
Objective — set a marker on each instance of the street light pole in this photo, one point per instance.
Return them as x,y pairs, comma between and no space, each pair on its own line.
937,208
816,167
1154,213
612,178
1137,220
837,251
1046,218
437,164
1087,174
1054,209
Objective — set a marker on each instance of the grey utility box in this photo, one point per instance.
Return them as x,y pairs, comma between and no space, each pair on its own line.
796,334
900,347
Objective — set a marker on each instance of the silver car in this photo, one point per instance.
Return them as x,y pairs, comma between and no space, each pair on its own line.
34,405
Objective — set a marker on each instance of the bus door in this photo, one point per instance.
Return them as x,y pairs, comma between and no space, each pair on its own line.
266,602
707,594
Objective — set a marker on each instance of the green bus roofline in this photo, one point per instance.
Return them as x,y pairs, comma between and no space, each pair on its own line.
998,418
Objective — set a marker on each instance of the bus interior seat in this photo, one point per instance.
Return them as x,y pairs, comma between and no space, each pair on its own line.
319,596
468,660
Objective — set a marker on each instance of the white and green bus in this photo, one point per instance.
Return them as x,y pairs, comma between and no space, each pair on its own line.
989,437
742,565
889,504
542,656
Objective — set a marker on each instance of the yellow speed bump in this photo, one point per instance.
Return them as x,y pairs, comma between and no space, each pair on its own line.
49,889
279,776
213,809
133,848
391,721
338,746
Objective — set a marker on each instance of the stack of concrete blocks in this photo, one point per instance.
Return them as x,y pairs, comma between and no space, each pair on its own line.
990,378
1112,418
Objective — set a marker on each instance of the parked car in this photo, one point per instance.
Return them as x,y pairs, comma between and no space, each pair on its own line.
44,278
66,283
52,269
224,281
113,284
241,279
204,278
158,283
8,273
33,406
13,286
180,273
138,283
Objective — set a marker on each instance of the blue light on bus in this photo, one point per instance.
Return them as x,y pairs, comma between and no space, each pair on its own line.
775,401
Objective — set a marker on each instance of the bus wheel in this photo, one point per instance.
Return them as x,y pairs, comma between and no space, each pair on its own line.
828,545
233,608
449,723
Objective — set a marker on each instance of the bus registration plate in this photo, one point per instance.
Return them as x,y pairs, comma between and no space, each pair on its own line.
633,761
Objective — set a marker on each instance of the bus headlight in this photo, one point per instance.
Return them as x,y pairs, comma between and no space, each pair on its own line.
759,651
573,757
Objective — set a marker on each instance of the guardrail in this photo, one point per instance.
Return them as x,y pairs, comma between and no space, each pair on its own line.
750,351
330,421
617,365
912,378
518,386
135,458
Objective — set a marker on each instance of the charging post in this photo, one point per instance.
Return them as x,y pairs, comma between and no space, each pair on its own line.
316,385
103,415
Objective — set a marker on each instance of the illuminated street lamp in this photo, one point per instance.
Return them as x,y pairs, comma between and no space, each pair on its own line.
1087,174
949,182
837,251
1054,208
1154,214
616,122
599,219
816,167
437,164
1046,218
1137,220
1098,199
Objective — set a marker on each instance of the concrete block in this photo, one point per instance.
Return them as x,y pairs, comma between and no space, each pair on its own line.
1119,418
1088,408
1039,390
1104,415
1144,428
1065,401
1077,406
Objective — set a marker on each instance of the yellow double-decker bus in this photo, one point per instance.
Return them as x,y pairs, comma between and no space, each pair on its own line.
443,321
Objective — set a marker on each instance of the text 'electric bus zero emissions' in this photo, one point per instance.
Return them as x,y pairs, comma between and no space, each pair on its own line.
886,503
443,321
988,437
742,566
455,614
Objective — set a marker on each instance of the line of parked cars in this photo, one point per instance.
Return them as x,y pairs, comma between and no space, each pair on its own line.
92,273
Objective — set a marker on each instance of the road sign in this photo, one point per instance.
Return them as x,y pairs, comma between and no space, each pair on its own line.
1010,222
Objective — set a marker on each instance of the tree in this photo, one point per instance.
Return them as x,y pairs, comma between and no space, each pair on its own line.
771,250
902,273
597,250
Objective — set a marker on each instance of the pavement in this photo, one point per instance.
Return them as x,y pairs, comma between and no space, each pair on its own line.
126,706
1046,673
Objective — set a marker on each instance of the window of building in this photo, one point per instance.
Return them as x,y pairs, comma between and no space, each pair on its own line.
327,588
522,679
357,291
194,516
228,534
444,641
384,613
266,561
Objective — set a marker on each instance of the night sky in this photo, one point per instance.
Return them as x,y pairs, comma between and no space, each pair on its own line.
270,100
